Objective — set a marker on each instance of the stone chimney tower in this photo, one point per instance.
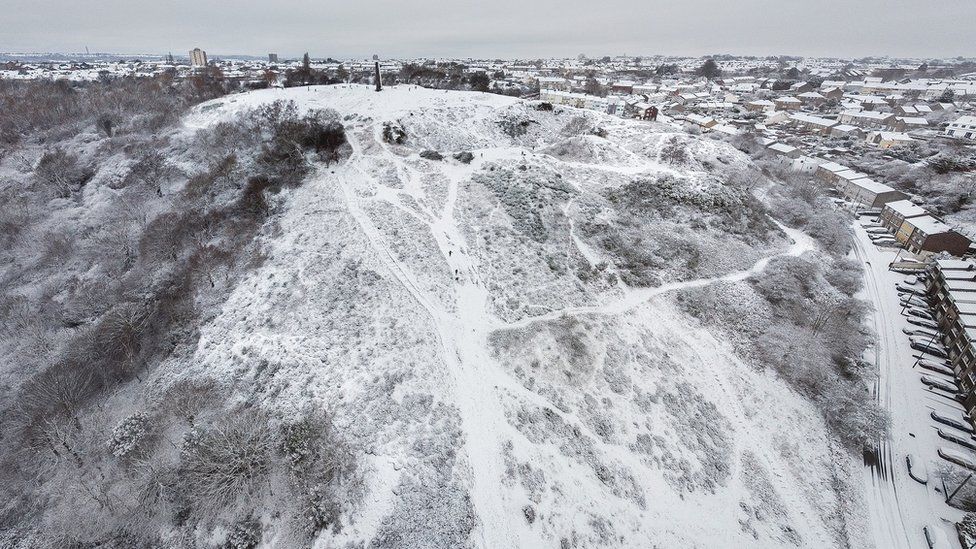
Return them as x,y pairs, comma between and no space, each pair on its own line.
379,83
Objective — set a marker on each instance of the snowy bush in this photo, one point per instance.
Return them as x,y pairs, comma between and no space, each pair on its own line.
129,435
431,155
245,534
464,157
62,173
394,133
226,460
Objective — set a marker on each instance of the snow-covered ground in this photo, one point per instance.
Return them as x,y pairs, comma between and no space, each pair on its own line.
899,505
496,398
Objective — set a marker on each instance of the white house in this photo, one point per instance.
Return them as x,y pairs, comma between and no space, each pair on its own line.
963,127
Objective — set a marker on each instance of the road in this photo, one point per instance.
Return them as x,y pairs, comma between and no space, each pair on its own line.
898,505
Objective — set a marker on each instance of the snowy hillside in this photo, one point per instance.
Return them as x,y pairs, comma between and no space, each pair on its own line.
497,341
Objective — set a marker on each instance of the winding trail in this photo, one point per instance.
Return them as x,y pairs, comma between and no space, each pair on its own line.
636,297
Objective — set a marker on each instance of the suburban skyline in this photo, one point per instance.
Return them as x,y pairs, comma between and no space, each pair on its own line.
504,29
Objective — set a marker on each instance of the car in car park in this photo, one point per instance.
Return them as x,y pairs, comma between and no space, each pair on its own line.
959,458
910,281
916,470
936,383
876,230
936,367
962,424
920,313
930,349
935,538
920,332
912,301
904,288
887,243
928,341
923,322
961,441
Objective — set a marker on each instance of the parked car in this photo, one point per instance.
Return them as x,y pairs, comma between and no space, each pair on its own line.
939,384
962,423
930,349
905,288
887,243
935,538
936,367
963,459
916,470
964,442
910,281
920,313
912,301
920,332
928,341
923,322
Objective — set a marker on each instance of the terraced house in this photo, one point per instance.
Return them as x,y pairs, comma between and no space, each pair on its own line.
952,289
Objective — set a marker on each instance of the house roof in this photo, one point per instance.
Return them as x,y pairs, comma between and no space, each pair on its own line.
906,208
834,167
782,147
871,185
850,175
955,265
929,225
815,120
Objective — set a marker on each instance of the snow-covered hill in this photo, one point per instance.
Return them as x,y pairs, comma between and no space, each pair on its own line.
497,339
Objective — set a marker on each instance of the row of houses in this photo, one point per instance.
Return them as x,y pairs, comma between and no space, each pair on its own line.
951,290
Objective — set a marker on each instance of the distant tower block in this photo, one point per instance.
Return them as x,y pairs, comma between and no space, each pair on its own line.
198,57
272,58
376,57
379,84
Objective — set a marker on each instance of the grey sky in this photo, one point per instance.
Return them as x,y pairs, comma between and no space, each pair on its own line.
496,28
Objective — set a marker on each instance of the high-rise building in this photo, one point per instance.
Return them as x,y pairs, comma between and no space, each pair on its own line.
272,58
198,57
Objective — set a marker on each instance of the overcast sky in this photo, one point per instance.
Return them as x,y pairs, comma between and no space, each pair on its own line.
493,28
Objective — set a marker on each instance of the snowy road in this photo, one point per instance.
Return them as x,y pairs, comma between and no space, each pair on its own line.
899,506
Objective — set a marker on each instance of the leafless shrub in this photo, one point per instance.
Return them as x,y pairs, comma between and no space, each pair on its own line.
227,460
61,173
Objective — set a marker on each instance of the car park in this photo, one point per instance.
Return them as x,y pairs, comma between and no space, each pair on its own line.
939,384
961,441
916,470
936,367
962,424
923,322
962,459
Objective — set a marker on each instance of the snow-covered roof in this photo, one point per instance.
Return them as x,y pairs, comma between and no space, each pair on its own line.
782,147
850,175
834,167
929,225
871,185
955,265
906,208
814,120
